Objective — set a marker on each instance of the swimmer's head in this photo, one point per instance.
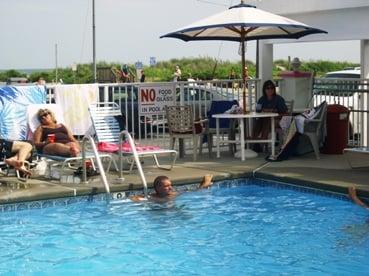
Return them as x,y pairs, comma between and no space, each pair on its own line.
162,185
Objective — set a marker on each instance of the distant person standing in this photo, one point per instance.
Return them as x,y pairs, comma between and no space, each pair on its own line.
246,73
190,78
232,75
125,73
143,76
41,81
177,74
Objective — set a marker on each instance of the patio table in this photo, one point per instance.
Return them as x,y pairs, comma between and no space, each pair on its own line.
243,141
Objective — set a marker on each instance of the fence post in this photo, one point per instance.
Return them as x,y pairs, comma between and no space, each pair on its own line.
181,94
106,93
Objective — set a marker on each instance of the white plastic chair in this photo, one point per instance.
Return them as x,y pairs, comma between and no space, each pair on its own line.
314,128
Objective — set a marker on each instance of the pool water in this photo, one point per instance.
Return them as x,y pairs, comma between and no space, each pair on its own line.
234,230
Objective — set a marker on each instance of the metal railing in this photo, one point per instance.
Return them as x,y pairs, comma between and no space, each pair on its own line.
351,93
198,94
126,134
98,161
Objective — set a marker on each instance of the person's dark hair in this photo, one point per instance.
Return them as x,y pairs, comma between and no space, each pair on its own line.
159,181
267,84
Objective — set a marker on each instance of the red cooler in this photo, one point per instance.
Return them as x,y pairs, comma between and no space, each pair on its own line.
337,129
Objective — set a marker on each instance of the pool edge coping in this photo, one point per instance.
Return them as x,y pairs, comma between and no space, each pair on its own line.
90,192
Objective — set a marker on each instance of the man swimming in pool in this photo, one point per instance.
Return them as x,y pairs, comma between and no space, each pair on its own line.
354,197
163,189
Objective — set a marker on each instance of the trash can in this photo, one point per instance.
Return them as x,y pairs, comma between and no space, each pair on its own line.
337,129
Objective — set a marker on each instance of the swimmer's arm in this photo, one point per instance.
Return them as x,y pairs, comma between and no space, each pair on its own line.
137,198
206,182
353,196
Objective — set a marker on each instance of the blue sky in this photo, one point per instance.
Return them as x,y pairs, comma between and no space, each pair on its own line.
127,31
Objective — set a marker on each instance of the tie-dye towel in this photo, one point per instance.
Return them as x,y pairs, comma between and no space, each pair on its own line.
13,109
74,100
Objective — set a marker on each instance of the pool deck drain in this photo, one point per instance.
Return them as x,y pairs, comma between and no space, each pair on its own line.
331,172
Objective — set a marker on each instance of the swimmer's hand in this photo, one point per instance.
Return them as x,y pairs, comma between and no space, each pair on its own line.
206,182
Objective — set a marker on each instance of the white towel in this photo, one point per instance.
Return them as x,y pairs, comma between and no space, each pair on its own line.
74,100
285,122
307,115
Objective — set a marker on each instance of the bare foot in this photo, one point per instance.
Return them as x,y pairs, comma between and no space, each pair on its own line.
24,170
13,162
206,181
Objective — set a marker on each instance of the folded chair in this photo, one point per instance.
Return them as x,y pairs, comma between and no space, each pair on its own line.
53,160
105,118
315,128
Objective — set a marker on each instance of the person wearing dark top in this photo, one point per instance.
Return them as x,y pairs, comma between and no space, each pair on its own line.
125,73
143,76
269,102
53,138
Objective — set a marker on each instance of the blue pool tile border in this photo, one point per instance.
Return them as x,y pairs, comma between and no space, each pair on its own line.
41,204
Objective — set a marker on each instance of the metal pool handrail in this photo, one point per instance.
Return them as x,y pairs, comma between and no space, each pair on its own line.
125,133
98,160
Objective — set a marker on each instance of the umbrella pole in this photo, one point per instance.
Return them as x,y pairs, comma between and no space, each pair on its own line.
243,72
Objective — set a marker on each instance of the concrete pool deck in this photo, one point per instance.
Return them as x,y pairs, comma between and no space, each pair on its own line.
331,172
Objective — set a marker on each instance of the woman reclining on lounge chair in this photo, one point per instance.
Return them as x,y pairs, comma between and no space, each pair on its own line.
15,154
52,138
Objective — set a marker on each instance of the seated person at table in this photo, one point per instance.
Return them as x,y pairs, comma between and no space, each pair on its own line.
164,190
53,138
16,152
269,102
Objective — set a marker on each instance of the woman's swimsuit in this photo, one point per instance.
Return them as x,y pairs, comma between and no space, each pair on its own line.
61,135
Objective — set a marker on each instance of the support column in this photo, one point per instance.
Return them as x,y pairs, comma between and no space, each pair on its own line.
265,63
364,60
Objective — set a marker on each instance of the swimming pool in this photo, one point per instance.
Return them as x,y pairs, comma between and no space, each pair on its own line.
239,228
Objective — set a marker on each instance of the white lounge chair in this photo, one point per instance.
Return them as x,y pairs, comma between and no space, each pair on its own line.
62,162
104,119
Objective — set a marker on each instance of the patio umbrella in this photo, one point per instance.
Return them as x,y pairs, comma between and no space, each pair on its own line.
241,23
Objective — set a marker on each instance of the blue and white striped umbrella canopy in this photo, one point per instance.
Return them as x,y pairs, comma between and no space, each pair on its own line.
241,23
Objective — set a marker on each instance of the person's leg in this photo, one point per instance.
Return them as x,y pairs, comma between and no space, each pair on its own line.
57,149
265,130
258,123
22,151
74,148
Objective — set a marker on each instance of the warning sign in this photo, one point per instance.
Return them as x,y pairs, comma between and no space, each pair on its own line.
154,98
